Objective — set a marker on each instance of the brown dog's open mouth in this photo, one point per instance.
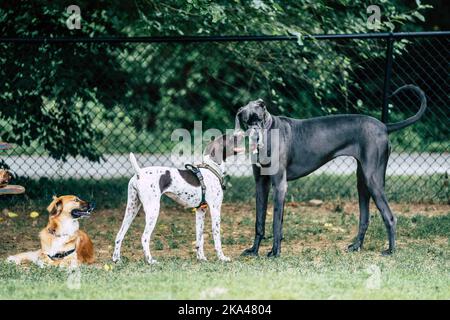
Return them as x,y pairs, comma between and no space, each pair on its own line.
79,213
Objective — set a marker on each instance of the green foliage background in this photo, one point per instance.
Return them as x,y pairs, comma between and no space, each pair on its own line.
68,99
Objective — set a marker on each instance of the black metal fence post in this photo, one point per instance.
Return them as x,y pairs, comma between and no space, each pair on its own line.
387,78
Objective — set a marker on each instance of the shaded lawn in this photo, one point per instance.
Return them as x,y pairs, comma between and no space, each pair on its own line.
314,263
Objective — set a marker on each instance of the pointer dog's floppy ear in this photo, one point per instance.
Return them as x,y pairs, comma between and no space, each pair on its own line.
225,146
55,207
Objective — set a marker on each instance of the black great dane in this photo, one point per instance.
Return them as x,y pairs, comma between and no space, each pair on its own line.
305,145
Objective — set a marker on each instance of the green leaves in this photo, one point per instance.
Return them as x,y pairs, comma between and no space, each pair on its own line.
47,90
418,15
217,13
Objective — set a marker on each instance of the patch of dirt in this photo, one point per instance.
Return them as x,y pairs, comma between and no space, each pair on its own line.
306,227
352,207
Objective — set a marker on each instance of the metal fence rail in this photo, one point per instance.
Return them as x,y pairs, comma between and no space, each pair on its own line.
158,84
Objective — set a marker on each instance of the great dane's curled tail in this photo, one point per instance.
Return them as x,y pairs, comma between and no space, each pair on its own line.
391,127
134,163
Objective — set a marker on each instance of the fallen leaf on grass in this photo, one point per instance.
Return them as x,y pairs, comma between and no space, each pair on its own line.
107,267
34,214
315,202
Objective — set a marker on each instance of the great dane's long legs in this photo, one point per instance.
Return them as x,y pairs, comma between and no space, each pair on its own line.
375,180
364,199
133,206
262,195
199,224
279,194
388,218
151,207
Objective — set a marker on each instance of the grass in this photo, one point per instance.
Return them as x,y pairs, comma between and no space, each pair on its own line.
334,276
314,263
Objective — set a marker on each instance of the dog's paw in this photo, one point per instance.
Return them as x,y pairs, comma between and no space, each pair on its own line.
224,259
273,253
40,263
12,259
116,258
387,252
250,252
152,261
354,247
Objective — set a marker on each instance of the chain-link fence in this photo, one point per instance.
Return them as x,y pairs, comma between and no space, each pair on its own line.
118,96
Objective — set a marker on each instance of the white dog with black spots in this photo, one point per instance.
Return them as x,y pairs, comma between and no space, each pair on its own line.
147,186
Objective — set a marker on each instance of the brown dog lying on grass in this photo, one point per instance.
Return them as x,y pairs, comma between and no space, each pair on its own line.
62,243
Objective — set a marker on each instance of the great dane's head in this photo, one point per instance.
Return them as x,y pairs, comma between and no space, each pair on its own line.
254,115
256,123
